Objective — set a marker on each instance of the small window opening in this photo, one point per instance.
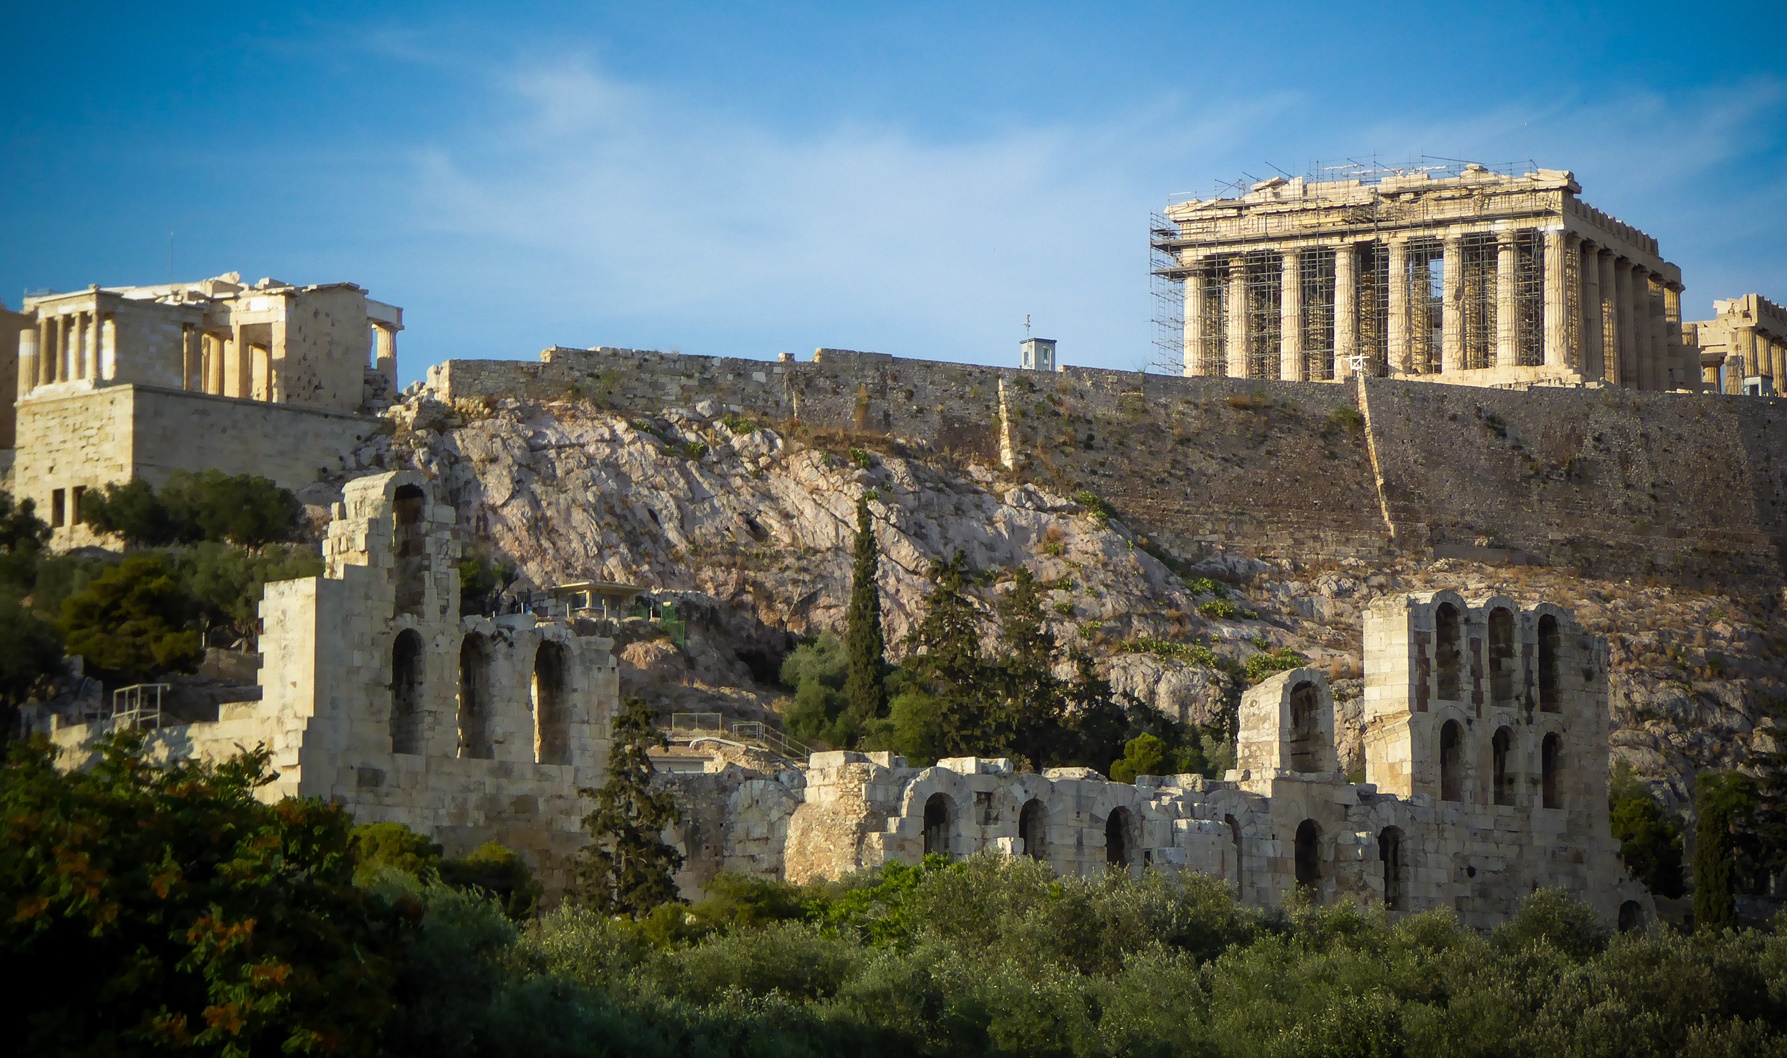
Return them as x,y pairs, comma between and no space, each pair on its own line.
551,725
938,815
1033,828
406,693
58,508
1309,853
1502,747
1389,849
1119,838
74,505
1501,656
1548,664
1448,652
1305,732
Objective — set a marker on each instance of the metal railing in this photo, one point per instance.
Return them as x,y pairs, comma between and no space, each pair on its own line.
138,707
692,727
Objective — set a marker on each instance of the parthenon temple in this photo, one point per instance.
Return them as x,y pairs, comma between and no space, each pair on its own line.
1452,273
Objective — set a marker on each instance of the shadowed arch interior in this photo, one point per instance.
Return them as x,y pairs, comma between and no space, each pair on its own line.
1448,652
409,547
1548,664
939,817
1501,656
1305,731
406,692
1119,838
1550,763
1501,749
1033,823
1452,761
474,698
1309,853
1389,850
552,733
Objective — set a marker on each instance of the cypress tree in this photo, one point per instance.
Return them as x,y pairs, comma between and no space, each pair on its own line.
628,869
864,640
1714,853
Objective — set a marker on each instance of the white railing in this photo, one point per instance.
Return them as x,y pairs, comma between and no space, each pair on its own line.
690,727
138,707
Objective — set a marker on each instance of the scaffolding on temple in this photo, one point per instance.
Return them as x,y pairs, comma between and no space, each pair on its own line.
1170,339
1317,265
1262,282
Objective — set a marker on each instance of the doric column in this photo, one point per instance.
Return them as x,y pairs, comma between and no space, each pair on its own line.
237,381
28,369
1195,345
1346,309
1290,317
1452,308
66,349
1507,330
1397,329
1684,363
1557,300
1611,330
1593,333
1237,366
191,362
1658,333
1628,334
90,348
213,346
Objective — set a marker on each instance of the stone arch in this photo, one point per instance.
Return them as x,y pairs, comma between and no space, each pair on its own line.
1452,761
1389,850
474,698
552,726
1120,838
940,818
1309,853
409,547
1306,730
1501,771
1549,666
1448,653
1033,824
1501,656
1631,916
1551,763
406,692
1235,842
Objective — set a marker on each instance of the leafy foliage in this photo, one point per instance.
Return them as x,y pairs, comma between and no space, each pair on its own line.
818,672
22,538
133,619
1650,839
482,577
628,869
1723,800
32,653
1268,663
163,907
244,509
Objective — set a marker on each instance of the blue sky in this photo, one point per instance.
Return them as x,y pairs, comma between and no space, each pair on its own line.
749,179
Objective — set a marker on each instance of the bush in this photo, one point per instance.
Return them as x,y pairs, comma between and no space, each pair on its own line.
243,509
1095,505
1221,609
132,619
1270,662
1650,839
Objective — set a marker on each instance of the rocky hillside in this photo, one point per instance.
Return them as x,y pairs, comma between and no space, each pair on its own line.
756,522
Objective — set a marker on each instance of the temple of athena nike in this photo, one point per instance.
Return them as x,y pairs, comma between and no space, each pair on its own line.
1452,273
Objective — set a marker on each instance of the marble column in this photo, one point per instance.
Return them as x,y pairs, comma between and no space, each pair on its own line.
1507,328
1628,285
28,369
1557,299
1397,331
1658,375
236,366
46,350
1237,306
1452,307
90,349
191,359
65,347
1593,332
1290,318
1346,309
1684,363
214,365
1196,348
1613,318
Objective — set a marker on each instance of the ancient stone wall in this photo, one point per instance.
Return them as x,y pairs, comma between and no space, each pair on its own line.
1611,482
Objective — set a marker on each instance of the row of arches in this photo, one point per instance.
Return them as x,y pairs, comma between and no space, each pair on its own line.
1121,837
549,693
1502,778
1503,658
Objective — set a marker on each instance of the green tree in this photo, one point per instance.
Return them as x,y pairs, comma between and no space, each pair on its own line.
499,871
865,688
817,672
1031,695
1721,799
32,653
628,869
163,908
132,511
482,576
225,582
244,509
945,662
134,619
1142,755
22,538
1650,839
390,845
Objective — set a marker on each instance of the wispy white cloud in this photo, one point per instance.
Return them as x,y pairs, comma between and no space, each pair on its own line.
631,212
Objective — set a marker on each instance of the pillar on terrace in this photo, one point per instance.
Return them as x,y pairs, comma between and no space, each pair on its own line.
237,366
1397,331
1346,309
1507,330
191,360
1594,332
1618,358
1452,307
1684,363
1237,321
28,369
66,348
1658,333
1557,299
1290,318
1196,348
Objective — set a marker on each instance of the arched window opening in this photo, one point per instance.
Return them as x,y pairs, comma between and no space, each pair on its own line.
552,728
1452,761
939,815
1389,849
406,692
1309,853
1550,761
1501,656
1631,916
1305,732
409,546
1033,824
1548,664
1502,748
1448,653
474,699
1235,843
1119,838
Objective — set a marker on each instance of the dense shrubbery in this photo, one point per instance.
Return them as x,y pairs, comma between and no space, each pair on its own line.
242,509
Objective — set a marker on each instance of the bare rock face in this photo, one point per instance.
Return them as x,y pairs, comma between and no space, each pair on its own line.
1190,694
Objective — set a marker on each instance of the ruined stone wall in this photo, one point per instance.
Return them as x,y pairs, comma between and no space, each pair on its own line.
1608,481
